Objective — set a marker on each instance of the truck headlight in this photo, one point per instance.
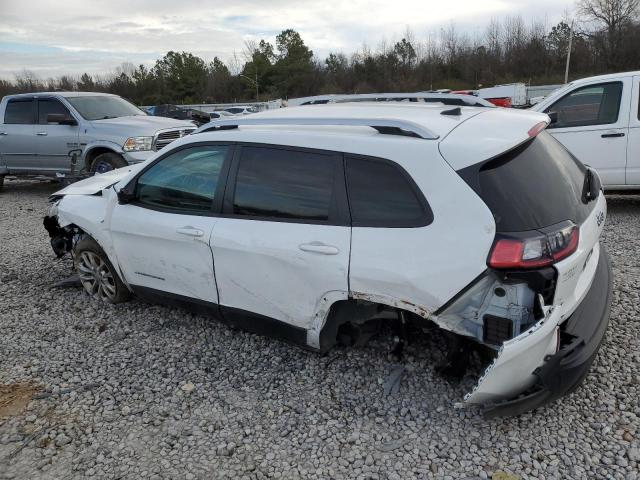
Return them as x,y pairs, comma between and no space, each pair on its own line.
137,144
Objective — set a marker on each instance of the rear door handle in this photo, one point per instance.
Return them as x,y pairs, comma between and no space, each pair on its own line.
42,134
319,247
612,135
3,133
190,232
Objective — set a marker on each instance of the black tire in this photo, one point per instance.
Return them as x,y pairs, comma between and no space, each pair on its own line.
1,181
98,276
106,162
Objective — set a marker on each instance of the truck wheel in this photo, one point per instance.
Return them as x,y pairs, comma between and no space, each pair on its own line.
105,162
1,181
97,275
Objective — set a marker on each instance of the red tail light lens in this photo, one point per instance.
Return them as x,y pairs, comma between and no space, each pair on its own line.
536,129
534,249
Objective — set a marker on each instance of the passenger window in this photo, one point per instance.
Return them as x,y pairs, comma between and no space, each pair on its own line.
184,181
19,112
590,105
50,105
284,184
381,195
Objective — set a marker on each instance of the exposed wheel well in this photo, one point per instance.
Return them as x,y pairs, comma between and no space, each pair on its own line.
93,153
345,313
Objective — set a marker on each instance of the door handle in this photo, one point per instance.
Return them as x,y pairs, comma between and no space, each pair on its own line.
190,232
319,247
612,135
42,134
3,134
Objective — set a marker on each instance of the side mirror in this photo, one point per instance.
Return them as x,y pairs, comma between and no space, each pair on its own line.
60,119
553,116
125,196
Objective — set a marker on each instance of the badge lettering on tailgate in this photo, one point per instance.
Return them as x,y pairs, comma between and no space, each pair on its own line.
600,218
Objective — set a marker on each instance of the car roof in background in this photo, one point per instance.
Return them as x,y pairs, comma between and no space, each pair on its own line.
61,94
433,118
470,100
608,76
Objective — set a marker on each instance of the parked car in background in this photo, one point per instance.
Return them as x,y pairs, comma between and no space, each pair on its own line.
219,114
598,120
537,93
473,220
240,110
180,113
508,95
38,130
420,97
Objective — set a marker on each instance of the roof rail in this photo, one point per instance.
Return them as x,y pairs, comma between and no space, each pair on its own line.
385,126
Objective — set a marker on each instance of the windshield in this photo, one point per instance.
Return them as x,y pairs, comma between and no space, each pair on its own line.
101,107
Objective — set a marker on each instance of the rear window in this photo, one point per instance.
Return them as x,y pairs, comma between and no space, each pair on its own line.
382,195
532,186
19,112
284,184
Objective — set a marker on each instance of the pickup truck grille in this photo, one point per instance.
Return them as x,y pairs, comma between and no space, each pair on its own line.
165,137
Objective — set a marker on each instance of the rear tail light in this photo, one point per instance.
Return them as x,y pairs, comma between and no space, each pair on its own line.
534,249
536,129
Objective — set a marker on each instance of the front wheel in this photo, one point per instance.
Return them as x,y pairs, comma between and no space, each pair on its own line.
97,275
105,162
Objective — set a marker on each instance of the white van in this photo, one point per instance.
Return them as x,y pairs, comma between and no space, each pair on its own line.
598,120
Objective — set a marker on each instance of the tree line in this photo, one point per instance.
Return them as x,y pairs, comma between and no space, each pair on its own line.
510,50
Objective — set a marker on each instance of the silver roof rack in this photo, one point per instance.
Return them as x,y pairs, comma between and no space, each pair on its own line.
382,125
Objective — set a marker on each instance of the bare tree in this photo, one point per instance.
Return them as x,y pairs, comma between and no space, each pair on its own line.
612,16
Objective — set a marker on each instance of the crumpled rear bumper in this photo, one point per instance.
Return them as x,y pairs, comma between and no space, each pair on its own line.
580,338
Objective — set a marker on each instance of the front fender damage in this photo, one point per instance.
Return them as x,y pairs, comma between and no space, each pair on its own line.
61,238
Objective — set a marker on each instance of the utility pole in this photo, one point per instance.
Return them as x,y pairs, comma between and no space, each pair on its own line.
566,70
257,94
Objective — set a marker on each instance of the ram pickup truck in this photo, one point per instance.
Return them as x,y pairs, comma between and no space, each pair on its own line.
39,130
598,120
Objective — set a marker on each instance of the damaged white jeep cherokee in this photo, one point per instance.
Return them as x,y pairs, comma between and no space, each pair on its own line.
307,222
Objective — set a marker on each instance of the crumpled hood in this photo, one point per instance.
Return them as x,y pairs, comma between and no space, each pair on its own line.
140,125
93,185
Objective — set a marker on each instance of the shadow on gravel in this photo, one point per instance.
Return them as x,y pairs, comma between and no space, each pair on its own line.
30,187
623,203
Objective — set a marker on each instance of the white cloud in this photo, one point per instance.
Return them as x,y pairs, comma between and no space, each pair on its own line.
96,36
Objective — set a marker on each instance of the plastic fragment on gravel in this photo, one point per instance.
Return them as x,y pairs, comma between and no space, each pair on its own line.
392,382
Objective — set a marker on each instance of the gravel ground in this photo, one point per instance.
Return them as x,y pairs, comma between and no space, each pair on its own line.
143,391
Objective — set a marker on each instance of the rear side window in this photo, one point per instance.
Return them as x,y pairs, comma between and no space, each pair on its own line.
590,105
285,184
535,185
381,194
185,181
19,112
50,105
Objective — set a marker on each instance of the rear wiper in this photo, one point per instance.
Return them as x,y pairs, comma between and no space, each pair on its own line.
591,186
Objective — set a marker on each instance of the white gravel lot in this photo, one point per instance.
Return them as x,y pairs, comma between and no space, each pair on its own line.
142,391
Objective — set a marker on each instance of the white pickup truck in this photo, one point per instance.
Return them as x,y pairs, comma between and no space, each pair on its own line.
39,130
598,120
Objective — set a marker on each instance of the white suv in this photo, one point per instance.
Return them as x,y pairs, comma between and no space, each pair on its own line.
307,223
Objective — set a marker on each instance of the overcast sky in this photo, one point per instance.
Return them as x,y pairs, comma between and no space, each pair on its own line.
52,38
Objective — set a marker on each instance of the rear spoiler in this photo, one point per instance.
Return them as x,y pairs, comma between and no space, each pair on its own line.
489,134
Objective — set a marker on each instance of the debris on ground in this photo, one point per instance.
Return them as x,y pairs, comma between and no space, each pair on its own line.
15,397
